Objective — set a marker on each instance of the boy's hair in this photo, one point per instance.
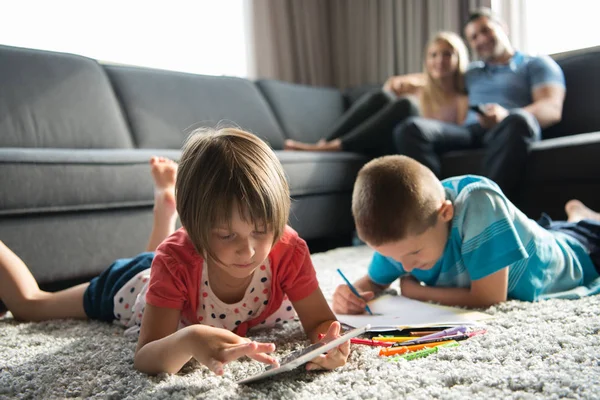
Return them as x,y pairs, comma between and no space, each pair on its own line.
226,167
395,197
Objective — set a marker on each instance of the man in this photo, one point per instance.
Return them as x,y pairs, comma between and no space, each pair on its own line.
518,95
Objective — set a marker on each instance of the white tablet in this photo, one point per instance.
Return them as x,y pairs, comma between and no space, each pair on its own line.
302,356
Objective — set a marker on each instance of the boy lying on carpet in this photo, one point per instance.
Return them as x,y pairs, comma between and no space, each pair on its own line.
234,265
461,242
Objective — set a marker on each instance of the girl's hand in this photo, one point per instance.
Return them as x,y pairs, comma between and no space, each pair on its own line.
335,357
215,347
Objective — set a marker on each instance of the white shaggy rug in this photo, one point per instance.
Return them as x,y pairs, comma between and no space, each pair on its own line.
542,350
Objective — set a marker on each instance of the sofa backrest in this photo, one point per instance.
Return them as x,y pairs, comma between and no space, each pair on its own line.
581,109
305,113
57,100
163,107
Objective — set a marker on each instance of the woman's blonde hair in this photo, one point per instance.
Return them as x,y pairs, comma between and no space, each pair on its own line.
432,91
225,168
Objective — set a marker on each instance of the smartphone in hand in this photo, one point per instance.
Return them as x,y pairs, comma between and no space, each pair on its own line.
478,108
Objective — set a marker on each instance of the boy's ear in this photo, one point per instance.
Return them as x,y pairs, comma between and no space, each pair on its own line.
446,211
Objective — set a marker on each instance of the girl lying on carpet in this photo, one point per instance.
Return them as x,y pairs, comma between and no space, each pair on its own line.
233,266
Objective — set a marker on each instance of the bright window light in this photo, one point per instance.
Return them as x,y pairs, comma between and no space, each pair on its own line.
554,26
202,36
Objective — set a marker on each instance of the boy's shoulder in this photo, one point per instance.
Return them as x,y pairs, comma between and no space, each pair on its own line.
472,194
460,188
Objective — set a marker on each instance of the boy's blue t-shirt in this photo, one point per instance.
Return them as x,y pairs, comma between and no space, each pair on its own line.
510,85
489,233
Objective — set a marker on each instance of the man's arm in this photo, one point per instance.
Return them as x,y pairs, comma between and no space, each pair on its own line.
484,292
547,104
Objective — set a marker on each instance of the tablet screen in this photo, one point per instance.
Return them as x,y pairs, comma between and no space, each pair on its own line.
302,356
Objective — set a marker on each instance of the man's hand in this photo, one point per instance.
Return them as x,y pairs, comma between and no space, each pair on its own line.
494,114
334,358
346,302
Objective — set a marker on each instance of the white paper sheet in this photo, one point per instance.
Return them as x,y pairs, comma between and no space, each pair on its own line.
397,312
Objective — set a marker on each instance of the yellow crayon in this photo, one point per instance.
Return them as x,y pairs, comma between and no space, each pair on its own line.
394,339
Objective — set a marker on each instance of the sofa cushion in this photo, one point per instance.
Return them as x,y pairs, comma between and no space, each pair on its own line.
581,109
561,159
305,113
316,173
57,100
163,107
57,180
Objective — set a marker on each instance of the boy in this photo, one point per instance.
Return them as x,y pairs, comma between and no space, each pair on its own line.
461,242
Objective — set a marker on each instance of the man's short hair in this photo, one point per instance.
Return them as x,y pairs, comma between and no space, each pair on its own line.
394,197
484,12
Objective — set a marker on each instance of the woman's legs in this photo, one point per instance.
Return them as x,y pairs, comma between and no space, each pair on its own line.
364,108
19,290
375,136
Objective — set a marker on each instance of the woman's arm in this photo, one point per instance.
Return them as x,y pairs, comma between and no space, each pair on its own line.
462,108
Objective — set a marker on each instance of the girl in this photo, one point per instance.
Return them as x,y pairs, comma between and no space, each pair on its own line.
234,265
368,125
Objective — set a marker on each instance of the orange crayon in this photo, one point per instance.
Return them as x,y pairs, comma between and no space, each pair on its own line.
392,351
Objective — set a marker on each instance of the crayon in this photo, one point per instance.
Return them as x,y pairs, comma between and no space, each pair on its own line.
392,351
421,353
353,289
393,339
371,342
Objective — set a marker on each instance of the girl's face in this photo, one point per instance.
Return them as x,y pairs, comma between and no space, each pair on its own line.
241,247
441,61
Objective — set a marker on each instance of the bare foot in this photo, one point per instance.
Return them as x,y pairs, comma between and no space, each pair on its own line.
321,145
576,211
164,172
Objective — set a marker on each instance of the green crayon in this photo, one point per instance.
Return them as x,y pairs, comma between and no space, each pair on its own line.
421,353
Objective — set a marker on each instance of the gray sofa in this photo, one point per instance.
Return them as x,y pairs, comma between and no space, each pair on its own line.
76,136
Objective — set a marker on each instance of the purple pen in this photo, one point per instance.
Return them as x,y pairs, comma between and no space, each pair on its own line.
446,332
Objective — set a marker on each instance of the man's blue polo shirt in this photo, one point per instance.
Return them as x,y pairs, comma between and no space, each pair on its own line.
510,85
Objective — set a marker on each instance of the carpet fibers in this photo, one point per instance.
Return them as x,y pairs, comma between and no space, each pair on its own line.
541,350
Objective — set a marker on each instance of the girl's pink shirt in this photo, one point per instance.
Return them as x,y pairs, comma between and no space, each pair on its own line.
176,276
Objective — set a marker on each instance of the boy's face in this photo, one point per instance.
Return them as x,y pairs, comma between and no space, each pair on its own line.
424,250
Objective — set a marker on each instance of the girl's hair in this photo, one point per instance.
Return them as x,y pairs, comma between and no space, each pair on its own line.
433,94
228,167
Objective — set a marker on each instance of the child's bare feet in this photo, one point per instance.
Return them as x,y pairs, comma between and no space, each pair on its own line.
164,172
576,211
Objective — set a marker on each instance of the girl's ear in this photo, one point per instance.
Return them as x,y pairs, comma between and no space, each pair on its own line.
446,211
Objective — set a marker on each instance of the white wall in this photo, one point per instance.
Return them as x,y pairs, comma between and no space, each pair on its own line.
202,36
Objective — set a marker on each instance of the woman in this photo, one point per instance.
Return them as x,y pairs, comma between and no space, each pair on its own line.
438,93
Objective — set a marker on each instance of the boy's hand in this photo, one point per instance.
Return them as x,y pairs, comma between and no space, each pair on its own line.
215,347
409,285
346,302
334,358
